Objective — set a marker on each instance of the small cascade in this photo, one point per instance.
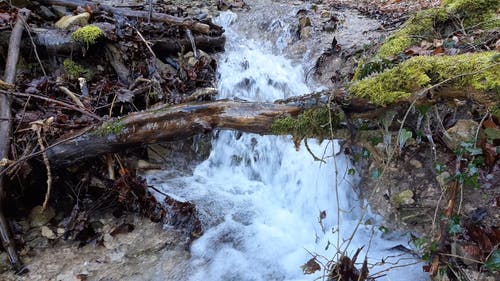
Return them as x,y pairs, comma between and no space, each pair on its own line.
265,206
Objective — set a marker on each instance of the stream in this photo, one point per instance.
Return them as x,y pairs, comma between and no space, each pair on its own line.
258,197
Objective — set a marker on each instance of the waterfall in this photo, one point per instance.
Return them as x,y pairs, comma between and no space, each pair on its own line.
259,198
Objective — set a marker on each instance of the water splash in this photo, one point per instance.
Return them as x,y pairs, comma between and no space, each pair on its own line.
259,198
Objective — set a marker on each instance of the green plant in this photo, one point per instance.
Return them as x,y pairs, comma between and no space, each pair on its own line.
469,175
74,70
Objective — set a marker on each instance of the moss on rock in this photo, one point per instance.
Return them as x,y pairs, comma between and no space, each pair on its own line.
420,72
424,25
313,123
87,35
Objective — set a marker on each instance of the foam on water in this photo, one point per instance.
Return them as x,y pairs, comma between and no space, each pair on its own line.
259,198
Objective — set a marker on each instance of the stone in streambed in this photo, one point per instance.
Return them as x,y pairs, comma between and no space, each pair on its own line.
69,21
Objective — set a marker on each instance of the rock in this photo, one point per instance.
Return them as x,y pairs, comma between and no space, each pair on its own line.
305,32
463,131
39,217
47,232
68,21
325,14
405,197
304,21
415,163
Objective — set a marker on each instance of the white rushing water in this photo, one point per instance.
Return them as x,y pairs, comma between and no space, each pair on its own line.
259,198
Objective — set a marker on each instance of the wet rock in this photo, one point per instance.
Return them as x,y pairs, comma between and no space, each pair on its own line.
325,14
39,218
403,198
69,21
463,131
305,32
304,21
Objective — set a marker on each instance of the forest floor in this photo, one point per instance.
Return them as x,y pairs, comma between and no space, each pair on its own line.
411,194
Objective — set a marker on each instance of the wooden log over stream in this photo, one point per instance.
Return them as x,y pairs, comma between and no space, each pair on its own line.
167,124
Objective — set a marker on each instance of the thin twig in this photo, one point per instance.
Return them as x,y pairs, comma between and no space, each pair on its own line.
67,105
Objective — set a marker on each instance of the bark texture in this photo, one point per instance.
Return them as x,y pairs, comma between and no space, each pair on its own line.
168,124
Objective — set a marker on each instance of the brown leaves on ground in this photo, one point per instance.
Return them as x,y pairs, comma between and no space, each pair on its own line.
391,8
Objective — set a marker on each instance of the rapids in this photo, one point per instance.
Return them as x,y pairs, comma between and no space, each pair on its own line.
259,198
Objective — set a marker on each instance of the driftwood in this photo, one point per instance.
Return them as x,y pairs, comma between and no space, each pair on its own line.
168,124
173,20
5,127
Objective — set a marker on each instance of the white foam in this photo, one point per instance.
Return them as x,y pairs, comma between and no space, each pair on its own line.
259,198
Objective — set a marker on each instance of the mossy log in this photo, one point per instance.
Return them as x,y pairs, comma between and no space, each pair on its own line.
170,123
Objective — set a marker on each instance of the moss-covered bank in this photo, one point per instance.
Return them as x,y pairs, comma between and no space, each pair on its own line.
417,73
428,24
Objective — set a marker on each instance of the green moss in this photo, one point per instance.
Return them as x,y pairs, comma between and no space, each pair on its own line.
419,26
313,123
424,25
87,35
110,128
74,70
423,71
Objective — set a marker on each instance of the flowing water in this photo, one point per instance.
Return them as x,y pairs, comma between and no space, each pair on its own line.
259,198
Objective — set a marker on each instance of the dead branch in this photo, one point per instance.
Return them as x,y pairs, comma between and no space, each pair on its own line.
5,126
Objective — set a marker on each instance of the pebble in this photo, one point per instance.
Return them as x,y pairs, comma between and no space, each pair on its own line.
47,233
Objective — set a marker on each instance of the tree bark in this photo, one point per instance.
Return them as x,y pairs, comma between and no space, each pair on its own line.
168,124
5,126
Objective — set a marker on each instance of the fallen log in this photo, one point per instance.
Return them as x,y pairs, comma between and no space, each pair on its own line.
5,128
169,123
159,17
172,46
60,42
